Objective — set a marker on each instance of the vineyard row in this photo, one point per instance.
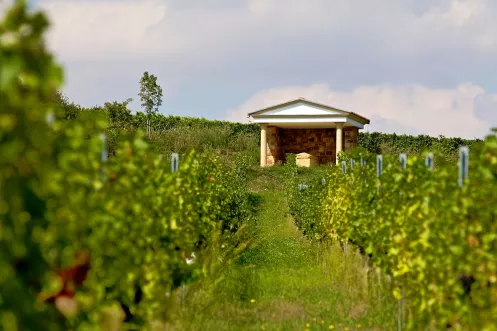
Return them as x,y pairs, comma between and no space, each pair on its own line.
436,238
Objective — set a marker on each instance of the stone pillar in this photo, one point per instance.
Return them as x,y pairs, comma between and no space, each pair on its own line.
263,145
339,140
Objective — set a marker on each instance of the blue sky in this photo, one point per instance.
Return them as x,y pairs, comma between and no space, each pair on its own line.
411,66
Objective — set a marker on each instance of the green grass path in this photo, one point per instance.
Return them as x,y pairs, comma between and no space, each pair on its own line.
285,282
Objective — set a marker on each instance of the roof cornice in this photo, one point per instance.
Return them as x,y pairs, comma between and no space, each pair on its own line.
259,113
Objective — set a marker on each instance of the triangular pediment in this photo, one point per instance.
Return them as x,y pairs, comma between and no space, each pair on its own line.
300,107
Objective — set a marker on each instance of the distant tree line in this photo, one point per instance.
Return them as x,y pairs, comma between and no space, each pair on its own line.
200,133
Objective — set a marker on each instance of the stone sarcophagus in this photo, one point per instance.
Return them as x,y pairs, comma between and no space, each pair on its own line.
306,160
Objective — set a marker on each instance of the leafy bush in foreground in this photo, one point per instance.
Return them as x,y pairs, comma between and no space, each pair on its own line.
79,236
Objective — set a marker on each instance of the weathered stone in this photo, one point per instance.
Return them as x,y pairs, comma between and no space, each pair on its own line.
320,143
306,160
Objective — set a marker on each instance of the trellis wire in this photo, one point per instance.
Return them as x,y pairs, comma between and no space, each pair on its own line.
429,161
463,165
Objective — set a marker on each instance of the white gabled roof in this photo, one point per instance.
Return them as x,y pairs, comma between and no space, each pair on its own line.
302,113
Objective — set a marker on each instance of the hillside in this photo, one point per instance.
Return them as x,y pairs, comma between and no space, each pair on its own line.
182,134
215,242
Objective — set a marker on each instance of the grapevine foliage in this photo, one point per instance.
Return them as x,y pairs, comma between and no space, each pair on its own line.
376,142
79,236
435,239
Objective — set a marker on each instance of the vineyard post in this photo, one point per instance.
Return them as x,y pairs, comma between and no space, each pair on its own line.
174,162
103,155
323,181
429,163
50,118
403,160
174,168
362,165
379,165
463,165
352,164
344,167
379,168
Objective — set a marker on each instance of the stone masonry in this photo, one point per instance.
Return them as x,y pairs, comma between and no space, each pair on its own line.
318,142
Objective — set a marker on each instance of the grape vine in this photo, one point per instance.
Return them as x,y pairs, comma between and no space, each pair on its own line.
435,239
80,234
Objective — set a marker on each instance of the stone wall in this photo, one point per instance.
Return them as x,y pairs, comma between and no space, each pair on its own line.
350,141
318,142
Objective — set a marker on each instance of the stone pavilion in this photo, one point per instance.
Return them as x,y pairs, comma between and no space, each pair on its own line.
303,126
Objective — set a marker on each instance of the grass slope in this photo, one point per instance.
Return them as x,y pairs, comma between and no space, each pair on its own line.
285,282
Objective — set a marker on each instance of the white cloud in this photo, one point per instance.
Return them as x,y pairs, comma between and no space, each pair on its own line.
98,30
486,108
411,109
102,29
399,59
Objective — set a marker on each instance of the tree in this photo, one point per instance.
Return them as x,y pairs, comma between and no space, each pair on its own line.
119,115
65,109
150,95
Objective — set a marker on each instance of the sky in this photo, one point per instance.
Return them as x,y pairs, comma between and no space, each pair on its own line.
410,66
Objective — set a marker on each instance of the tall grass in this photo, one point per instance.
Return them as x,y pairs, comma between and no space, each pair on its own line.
220,139
283,281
